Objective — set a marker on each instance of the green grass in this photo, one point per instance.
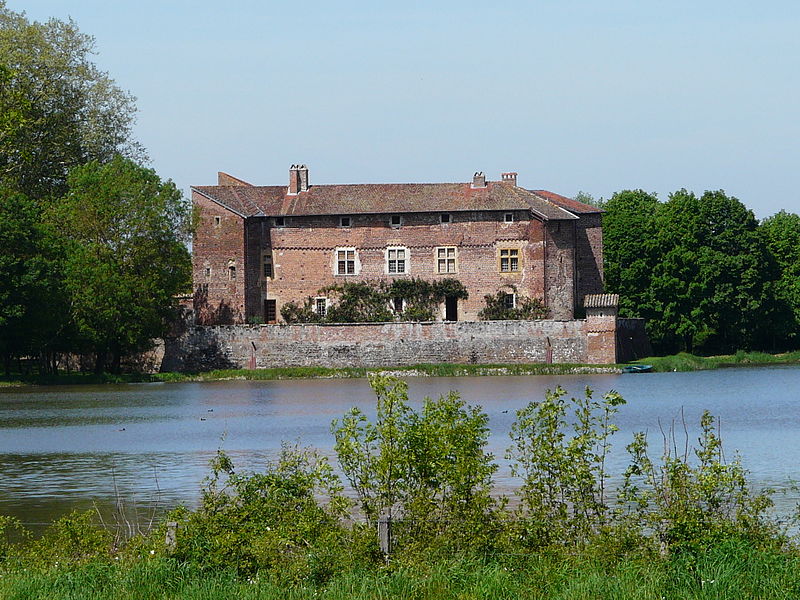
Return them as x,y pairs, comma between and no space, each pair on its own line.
690,362
732,571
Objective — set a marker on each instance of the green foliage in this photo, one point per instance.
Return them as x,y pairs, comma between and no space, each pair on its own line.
781,234
429,466
496,308
126,258
696,269
693,505
370,302
563,495
58,109
269,521
73,539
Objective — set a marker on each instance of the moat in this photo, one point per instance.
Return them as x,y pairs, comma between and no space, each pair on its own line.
69,447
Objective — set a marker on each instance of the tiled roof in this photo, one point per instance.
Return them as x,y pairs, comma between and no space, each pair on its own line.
571,205
601,300
382,198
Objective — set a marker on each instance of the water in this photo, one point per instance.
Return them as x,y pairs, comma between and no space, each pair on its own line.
63,448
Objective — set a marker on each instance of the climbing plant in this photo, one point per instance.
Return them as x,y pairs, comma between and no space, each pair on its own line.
500,308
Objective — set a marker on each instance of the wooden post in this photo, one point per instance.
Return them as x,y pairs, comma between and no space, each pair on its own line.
385,534
171,540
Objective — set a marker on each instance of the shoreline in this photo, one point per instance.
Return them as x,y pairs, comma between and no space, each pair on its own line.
681,362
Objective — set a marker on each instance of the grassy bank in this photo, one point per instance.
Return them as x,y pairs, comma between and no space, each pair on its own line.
732,572
676,362
690,362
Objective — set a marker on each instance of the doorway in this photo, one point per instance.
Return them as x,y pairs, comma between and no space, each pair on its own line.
451,308
270,312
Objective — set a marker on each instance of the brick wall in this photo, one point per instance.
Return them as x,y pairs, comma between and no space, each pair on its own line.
559,263
218,245
390,344
588,256
304,253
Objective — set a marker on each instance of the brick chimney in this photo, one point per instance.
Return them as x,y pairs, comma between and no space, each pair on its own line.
298,179
509,178
479,180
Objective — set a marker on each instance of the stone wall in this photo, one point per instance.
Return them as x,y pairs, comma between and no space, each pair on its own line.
390,344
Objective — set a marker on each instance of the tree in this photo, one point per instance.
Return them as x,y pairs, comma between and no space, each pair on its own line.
709,287
58,109
32,301
781,234
126,257
628,231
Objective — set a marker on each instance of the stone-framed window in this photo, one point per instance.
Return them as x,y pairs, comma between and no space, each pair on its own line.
510,301
346,261
345,222
207,271
321,306
508,260
395,221
445,219
397,260
446,259
398,304
508,218
232,272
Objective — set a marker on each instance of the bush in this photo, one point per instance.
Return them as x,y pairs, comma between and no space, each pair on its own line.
524,309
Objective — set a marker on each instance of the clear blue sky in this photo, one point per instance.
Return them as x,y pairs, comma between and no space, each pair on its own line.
574,95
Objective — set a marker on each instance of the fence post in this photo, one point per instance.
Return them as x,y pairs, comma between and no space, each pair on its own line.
385,534
171,540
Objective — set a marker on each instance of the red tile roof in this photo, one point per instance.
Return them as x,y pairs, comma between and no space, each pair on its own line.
385,198
571,205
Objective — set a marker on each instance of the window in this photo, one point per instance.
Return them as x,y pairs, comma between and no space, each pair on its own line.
510,301
270,311
280,221
444,218
232,272
217,221
396,260
446,260
509,260
208,272
398,304
508,217
321,306
395,220
267,265
345,261
344,221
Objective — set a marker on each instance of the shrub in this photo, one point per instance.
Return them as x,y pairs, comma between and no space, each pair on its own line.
524,309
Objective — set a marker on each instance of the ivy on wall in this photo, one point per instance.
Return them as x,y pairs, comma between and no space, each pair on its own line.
507,305
376,301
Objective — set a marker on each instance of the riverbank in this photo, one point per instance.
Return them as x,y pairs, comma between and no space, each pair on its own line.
664,364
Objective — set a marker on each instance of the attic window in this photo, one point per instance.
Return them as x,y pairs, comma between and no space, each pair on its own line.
280,221
345,221
508,217
395,220
444,218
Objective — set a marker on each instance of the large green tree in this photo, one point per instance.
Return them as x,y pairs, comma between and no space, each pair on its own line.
781,233
58,109
126,257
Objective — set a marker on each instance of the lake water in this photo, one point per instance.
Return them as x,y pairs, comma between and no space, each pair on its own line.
149,444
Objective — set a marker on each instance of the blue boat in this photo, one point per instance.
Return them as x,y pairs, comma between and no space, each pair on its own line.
637,368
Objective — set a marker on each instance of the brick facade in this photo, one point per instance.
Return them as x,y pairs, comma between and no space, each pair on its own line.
555,244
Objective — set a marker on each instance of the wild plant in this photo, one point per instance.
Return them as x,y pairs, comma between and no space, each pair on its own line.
562,462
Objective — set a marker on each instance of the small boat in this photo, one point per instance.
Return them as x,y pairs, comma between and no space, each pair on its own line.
637,368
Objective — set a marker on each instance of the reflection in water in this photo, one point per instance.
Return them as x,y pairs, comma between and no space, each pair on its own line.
69,447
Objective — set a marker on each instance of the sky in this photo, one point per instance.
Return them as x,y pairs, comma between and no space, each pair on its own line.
574,95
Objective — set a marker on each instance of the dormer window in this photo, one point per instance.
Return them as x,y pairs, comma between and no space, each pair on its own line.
508,217
395,220
444,218
345,221
280,221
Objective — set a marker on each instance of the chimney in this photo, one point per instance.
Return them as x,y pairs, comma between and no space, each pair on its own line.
479,180
303,170
509,178
294,179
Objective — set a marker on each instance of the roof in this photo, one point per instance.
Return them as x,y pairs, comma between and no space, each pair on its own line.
383,198
601,301
571,205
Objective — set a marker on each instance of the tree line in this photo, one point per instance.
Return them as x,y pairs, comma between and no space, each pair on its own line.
92,242
703,271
